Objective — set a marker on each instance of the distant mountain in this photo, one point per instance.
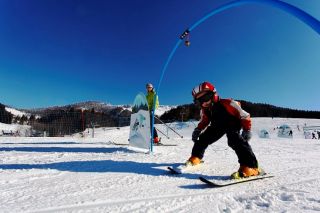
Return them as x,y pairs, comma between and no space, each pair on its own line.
72,118
69,119
88,105
15,112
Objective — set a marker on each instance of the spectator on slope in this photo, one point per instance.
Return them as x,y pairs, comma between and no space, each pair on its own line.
153,103
220,117
314,135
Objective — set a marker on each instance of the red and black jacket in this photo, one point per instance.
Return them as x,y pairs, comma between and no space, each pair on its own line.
227,114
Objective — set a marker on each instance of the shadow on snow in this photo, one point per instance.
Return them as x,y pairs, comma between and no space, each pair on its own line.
102,166
62,143
66,149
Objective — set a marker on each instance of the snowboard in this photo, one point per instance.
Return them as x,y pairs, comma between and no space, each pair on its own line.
216,184
140,134
126,144
184,168
164,144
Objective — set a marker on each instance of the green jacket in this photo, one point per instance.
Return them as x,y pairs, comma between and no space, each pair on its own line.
150,98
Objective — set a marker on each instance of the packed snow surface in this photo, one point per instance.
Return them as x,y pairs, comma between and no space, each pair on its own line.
73,174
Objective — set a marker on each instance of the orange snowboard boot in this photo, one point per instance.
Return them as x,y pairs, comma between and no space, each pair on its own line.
245,171
193,161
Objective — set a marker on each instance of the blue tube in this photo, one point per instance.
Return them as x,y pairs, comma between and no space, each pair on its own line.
298,13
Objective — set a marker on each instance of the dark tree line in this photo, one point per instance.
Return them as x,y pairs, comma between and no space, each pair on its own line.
192,112
267,110
184,112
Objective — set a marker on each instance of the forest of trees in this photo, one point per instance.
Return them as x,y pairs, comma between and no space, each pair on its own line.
69,120
191,111
267,110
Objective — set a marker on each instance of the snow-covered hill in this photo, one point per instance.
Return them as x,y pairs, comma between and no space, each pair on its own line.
88,105
162,109
15,112
73,174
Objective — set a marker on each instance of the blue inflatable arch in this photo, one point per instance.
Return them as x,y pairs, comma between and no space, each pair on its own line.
298,13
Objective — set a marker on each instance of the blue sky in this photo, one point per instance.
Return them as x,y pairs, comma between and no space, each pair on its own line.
58,52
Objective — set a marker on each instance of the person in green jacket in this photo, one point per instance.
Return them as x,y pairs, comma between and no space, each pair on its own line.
150,96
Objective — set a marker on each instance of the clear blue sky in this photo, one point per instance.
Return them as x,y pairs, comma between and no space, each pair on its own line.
57,52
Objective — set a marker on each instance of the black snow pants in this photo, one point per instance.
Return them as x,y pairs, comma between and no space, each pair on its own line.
155,133
241,147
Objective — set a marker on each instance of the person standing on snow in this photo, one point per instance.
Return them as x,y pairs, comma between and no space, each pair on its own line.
314,135
151,95
220,117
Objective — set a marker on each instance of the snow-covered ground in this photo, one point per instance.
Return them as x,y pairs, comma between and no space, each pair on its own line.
73,174
14,129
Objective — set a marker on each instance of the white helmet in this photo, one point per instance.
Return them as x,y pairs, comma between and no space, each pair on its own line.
149,85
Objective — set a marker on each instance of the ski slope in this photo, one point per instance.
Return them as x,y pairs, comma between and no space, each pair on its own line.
73,174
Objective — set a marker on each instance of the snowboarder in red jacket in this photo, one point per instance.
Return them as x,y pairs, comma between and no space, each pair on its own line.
220,117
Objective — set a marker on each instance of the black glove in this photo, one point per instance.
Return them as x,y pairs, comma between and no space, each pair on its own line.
195,134
246,135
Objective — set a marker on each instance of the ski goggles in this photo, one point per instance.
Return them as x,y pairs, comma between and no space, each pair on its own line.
205,98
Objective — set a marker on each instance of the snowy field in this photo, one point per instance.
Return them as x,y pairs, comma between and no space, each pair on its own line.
73,174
